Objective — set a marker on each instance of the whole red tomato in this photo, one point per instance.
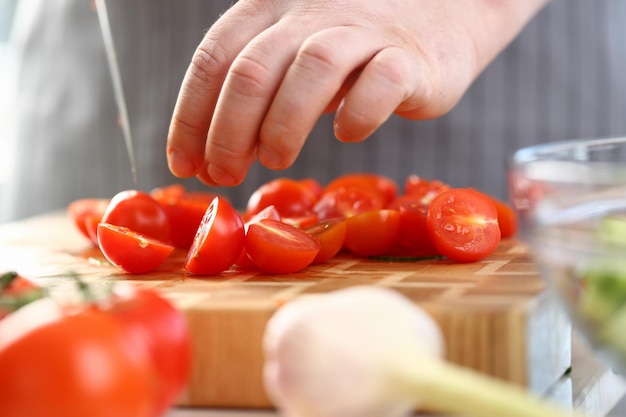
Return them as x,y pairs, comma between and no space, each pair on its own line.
128,355
147,319
71,364
139,212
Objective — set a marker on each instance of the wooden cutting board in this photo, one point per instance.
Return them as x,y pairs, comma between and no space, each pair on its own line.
495,314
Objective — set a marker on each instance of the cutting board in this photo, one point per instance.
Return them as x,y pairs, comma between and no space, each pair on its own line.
496,315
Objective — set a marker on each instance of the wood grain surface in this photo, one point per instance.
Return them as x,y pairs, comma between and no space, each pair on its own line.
496,315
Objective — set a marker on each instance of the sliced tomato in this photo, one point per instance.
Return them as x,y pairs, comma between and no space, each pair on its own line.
302,221
139,212
413,239
185,216
331,234
372,233
346,202
279,248
219,240
87,210
426,190
185,211
131,251
463,224
507,218
385,186
290,197
268,212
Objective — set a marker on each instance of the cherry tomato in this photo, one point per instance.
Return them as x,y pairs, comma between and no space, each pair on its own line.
279,248
219,240
290,197
313,185
148,319
463,224
185,216
140,212
268,212
302,221
131,251
413,239
331,235
507,218
425,189
70,365
87,210
386,187
372,233
346,202
169,192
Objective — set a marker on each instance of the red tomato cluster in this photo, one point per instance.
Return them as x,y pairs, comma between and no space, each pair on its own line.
289,224
127,355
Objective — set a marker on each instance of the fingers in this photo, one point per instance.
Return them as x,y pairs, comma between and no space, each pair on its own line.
320,70
392,80
247,94
202,85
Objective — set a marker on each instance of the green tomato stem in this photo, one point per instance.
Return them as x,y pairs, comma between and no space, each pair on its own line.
445,387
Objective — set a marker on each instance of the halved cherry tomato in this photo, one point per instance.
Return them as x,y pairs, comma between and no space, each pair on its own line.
185,211
87,210
219,240
413,239
372,233
290,197
507,218
140,212
278,248
133,252
346,202
185,215
302,221
463,224
268,212
387,187
331,234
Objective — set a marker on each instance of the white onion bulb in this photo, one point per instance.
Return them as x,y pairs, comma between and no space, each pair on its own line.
370,352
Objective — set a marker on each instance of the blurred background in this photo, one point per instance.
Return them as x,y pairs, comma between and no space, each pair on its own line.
7,90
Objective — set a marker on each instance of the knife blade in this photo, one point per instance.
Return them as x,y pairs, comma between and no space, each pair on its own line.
116,77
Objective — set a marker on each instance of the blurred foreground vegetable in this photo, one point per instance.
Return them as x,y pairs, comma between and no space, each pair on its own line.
125,355
370,352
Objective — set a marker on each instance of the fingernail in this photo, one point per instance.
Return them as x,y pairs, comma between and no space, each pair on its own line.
269,158
180,165
221,177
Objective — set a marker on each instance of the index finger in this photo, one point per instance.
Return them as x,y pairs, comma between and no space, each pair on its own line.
202,85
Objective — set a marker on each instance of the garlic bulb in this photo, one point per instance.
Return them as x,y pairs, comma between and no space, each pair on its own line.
371,352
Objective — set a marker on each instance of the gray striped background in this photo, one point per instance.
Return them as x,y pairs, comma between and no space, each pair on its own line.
564,77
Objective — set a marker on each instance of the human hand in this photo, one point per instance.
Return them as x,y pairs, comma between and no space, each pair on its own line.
267,70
